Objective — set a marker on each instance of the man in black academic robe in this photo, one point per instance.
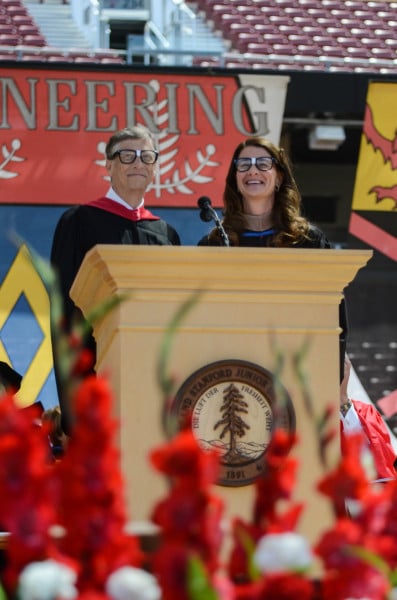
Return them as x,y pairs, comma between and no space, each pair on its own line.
120,217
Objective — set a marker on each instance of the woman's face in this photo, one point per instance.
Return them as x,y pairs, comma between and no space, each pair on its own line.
255,184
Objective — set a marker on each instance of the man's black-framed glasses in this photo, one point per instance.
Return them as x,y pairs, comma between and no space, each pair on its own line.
263,163
127,157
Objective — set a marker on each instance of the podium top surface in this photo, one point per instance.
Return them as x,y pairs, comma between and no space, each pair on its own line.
125,267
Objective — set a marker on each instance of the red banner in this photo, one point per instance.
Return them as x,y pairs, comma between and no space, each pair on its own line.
54,125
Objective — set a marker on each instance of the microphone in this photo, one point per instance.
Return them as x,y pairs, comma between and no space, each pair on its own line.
206,209
204,202
209,214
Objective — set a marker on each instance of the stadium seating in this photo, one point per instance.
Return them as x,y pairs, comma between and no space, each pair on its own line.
21,39
9,39
337,35
340,35
6,28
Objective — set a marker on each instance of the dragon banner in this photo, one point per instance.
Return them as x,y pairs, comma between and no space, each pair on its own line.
374,209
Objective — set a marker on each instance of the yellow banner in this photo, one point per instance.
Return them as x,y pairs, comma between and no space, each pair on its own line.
376,177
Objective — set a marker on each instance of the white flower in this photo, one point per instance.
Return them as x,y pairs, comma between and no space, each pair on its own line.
281,552
128,583
393,594
47,580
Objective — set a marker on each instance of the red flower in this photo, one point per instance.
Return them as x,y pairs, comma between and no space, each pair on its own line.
278,479
182,459
245,538
27,508
189,517
365,582
223,587
250,591
170,566
93,595
276,484
83,364
280,446
333,546
192,516
348,480
92,508
287,587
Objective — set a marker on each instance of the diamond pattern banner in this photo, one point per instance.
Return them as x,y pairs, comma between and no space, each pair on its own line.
23,282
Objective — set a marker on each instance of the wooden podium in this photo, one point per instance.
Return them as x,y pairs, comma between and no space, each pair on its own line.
253,301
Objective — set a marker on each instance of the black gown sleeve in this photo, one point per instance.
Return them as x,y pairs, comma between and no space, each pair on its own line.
173,236
67,254
66,258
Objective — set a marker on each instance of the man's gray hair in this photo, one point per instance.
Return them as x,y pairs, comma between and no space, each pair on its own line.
137,132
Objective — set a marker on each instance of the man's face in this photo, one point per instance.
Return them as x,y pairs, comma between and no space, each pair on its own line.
134,178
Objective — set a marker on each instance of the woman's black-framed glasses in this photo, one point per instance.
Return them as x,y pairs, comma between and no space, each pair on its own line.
127,157
263,163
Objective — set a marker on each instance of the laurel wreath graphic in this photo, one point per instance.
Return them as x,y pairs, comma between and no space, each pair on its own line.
10,156
176,181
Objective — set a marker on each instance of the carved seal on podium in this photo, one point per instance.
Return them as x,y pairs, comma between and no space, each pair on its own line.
231,405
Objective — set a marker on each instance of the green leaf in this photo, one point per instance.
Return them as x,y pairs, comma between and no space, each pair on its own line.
166,381
198,585
302,376
393,578
371,559
279,389
250,546
102,309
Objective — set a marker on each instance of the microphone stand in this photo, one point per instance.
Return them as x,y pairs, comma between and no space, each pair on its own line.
208,214
220,228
